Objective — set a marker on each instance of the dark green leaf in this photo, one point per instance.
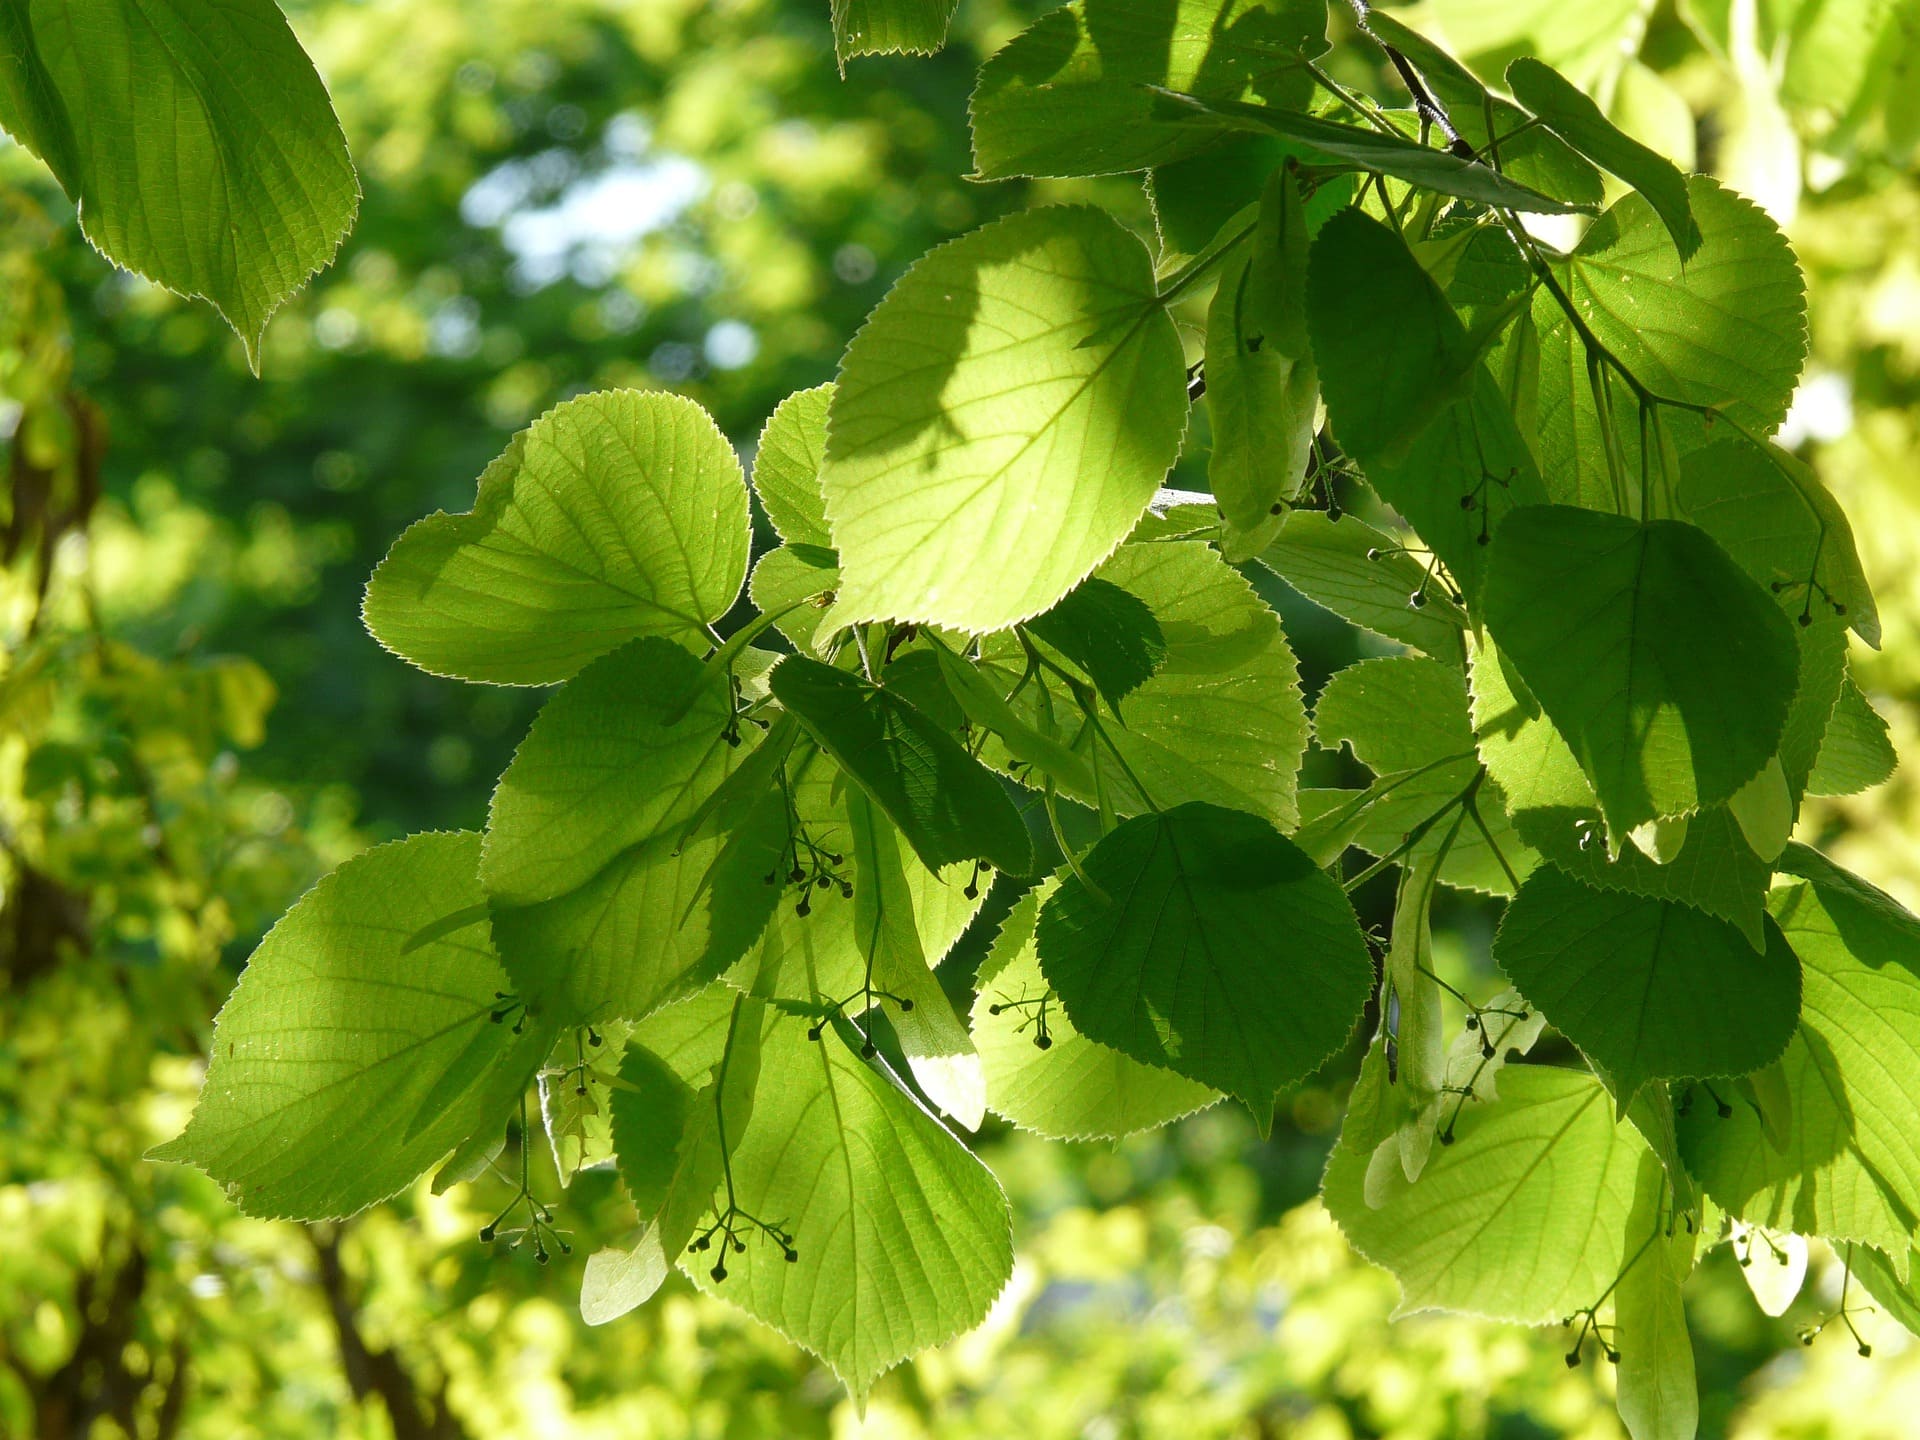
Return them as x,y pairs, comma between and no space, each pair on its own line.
1211,946
1109,633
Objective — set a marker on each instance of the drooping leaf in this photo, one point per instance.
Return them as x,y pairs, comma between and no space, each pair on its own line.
1404,159
1523,1217
674,1128
948,805
805,957
1212,947
939,1050
902,1238
1409,399
360,1046
1067,96
1001,421
1648,989
1658,1395
1668,671
1771,513
1262,388
613,515
150,115
878,27
1364,576
1534,155
1850,1167
1070,1087
786,467
1855,753
1572,115
601,898
1109,633
1194,198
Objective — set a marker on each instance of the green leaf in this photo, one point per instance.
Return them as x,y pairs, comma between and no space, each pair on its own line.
1850,1167
1726,328
938,1048
786,467
1579,121
1534,156
903,1238
1658,1396
1771,513
1262,388
601,898
1001,422
1523,1217
613,515
1553,807
1364,576
1855,753
1109,633
806,957
1668,671
154,117
354,1053
877,27
1212,947
1072,1088
1647,989
1409,400
1397,712
785,577
1380,820
1404,159
1221,721
1194,198
1066,96
672,1141
948,805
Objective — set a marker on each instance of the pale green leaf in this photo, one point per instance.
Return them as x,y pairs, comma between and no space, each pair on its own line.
602,899
902,1238
938,1047
816,956
1668,671
1726,328
1070,1087
196,141
1579,121
1364,576
786,467
1221,720
1262,388
947,805
1066,96
1001,421
1771,513
1582,41
1658,1396
1212,946
1855,753
361,1043
1396,712
1396,815
1648,989
1850,1167
797,583
614,515
1523,1217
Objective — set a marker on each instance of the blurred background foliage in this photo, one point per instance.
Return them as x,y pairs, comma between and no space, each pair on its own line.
563,195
